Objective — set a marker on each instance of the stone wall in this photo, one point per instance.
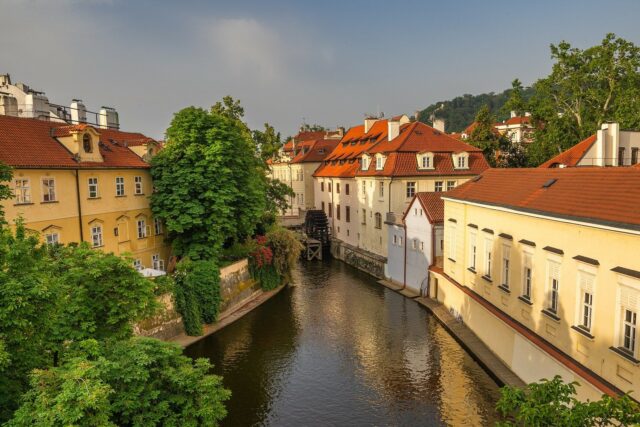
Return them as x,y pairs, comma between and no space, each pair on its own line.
236,286
359,258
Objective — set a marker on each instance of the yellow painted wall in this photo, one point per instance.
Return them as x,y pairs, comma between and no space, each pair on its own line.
610,248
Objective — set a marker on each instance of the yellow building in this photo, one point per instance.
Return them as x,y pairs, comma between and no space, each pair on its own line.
76,183
542,264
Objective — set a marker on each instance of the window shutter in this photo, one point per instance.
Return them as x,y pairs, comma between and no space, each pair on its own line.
587,282
629,298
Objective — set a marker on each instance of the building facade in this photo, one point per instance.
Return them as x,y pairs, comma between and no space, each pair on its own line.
77,183
542,265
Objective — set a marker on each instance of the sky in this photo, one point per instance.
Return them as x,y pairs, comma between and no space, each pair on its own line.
324,61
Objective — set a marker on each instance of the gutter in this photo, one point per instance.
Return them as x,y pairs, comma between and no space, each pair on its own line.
79,205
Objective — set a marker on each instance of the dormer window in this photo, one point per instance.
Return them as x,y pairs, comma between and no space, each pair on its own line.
461,160
425,161
380,160
365,162
87,145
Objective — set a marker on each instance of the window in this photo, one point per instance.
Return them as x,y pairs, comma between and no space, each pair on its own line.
414,244
553,287
52,238
487,257
438,186
585,300
451,185
395,240
330,210
346,189
137,264
119,186
96,235
364,188
473,251
426,162
505,266
22,191
411,189
381,190
48,190
365,163
399,241
157,263
629,329
634,156
142,228
364,217
338,188
378,220
93,188
338,212
527,277
452,243
379,162
86,143
347,214
323,207
138,184
157,225
329,187
621,156
322,186
462,162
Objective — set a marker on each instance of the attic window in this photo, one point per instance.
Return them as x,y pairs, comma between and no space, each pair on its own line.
549,183
87,146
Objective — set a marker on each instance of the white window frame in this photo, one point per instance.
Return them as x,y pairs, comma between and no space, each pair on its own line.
138,185
488,255
473,251
451,185
585,286
410,189
52,238
96,236
48,189
438,186
119,186
157,226
157,263
22,190
527,280
141,228
93,188
379,162
553,286
137,264
381,189
506,266
628,299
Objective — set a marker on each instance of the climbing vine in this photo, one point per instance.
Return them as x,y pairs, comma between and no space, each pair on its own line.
197,293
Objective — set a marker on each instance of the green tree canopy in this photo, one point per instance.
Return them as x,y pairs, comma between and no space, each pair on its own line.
139,381
210,184
585,89
516,101
268,142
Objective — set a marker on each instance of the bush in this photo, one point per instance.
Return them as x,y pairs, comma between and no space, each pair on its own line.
197,294
286,250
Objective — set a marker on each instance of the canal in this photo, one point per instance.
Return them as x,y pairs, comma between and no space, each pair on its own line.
336,348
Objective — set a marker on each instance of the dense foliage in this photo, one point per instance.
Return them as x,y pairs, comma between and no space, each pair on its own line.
553,403
138,381
197,293
210,185
460,112
273,257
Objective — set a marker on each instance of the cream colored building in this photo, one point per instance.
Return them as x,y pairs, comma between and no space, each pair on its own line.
542,264
77,183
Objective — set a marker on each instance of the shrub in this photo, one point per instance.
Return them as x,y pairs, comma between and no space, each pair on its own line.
197,294
286,250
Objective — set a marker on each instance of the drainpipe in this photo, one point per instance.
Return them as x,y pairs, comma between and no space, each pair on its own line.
404,263
433,257
79,205
291,182
331,210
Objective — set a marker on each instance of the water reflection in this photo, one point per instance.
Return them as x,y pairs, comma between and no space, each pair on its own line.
338,349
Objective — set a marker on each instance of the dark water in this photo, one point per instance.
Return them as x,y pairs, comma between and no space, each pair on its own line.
338,349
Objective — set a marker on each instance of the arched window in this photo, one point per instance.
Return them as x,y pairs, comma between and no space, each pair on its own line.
378,220
87,146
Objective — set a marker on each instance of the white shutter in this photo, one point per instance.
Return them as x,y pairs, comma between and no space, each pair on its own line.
629,298
586,282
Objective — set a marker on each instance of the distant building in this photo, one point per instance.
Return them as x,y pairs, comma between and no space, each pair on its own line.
609,146
516,128
297,161
80,183
416,244
542,264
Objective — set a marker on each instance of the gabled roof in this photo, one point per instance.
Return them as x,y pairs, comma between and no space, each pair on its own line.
572,156
518,120
32,143
605,196
431,203
316,151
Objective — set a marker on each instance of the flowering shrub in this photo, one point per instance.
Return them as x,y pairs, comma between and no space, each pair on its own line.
272,260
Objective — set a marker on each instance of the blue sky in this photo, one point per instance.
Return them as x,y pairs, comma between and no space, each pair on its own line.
329,62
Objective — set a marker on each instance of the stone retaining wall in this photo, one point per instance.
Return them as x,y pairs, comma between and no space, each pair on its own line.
359,258
236,286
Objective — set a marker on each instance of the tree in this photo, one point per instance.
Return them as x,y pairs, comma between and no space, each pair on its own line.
553,403
197,293
6,174
139,381
484,135
210,185
585,89
268,142
516,101
312,128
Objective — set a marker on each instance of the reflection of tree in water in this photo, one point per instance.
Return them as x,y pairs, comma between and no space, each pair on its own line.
253,355
337,348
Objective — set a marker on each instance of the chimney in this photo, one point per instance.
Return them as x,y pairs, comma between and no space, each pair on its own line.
368,123
417,116
393,129
8,105
78,112
109,118
438,124
5,79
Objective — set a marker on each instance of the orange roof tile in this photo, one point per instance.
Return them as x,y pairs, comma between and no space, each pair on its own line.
572,156
31,143
316,151
606,196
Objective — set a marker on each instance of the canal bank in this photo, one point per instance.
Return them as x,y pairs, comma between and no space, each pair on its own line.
335,348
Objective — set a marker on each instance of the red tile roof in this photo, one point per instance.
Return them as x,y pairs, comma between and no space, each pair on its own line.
432,204
597,195
316,151
31,143
524,120
572,156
